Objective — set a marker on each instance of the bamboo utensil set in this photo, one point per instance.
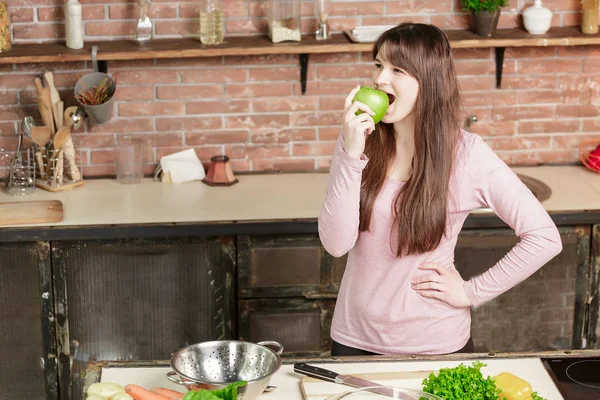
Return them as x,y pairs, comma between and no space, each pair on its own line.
53,140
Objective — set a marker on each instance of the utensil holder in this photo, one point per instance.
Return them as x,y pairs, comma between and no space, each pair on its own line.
21,176
101,113
61,170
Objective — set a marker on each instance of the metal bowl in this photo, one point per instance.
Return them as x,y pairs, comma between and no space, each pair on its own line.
381,392
214,365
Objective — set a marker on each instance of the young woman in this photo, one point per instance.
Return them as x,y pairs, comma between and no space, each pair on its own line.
398,195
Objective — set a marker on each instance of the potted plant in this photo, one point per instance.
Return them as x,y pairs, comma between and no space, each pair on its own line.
485,15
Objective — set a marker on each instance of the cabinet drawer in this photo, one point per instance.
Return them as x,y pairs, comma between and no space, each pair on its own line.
301,326
287,266
541,313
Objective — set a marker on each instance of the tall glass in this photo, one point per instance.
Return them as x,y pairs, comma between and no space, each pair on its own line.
129,162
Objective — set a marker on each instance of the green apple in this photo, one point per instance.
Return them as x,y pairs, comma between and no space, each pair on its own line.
377,100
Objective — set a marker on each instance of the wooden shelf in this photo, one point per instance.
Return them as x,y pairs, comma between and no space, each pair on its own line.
261,45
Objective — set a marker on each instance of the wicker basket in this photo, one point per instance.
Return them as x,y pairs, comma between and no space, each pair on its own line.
591,161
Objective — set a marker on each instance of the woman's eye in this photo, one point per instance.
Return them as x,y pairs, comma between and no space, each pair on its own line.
398,70
377,65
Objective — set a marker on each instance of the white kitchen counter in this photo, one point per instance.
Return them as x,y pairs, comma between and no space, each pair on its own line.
264,197
288,382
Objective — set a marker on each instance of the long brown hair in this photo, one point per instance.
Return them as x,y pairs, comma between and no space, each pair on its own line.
420,210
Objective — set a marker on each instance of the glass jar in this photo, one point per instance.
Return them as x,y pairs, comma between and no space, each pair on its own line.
5,43
589,20
284,20
211,22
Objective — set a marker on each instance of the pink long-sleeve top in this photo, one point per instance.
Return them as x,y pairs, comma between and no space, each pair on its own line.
377,310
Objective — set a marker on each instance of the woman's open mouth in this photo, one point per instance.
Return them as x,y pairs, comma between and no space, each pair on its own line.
391,97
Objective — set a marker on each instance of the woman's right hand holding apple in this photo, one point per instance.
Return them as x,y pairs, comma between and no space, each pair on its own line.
356,127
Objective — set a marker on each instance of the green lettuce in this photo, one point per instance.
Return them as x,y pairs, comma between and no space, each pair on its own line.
227,393
462,383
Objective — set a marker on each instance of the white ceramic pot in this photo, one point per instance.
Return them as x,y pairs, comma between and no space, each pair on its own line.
537,18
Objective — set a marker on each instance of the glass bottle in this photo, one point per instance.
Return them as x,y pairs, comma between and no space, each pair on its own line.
589,20
5,41
145,26
211,22
323,13
284,21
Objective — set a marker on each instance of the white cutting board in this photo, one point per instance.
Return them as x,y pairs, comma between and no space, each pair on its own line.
289,386
530,369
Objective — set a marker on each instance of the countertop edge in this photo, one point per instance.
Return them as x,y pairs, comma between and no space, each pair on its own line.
234,228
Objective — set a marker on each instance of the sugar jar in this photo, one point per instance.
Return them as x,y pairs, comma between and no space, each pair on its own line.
5,42
284,20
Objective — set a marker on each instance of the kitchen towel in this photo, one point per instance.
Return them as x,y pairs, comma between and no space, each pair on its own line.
183,166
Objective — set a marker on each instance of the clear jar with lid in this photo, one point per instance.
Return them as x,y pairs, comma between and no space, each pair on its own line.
211,22
284,20
5,42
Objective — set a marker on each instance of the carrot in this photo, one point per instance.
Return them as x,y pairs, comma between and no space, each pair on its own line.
169,394
139,393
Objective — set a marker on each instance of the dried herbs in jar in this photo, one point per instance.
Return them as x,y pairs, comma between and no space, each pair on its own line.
5,43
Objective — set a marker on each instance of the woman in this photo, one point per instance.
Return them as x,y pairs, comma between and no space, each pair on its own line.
397,198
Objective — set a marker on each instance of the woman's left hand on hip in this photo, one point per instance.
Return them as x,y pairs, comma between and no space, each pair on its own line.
443,284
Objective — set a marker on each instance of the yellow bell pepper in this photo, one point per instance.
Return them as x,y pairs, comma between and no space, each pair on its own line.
513,387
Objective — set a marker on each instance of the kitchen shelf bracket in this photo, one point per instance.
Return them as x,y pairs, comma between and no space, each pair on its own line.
499,65
303,58
98,65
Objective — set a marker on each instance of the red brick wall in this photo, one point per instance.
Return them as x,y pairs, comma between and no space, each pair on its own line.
251,107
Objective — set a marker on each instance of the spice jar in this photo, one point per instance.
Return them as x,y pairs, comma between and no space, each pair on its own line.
5,43
589,20
284,21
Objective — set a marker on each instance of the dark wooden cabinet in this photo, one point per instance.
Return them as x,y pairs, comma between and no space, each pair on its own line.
542,313
27,354
139,299
65,303
288,285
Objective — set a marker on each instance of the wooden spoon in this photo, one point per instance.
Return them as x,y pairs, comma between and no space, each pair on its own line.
40,136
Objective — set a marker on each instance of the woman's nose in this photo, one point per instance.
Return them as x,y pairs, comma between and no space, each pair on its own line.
381,79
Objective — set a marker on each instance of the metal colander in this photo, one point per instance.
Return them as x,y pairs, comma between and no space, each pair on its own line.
214,365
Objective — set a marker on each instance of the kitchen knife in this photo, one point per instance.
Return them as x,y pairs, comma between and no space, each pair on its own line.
349,380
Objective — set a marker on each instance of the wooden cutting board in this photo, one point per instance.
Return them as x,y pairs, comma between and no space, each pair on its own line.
316,389
31,212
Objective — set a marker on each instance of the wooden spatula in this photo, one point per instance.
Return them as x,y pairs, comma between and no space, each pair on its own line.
40,136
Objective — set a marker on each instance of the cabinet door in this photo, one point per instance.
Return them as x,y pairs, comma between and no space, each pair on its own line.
28,368
138,299
301,326
286,266
546,311
593,295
